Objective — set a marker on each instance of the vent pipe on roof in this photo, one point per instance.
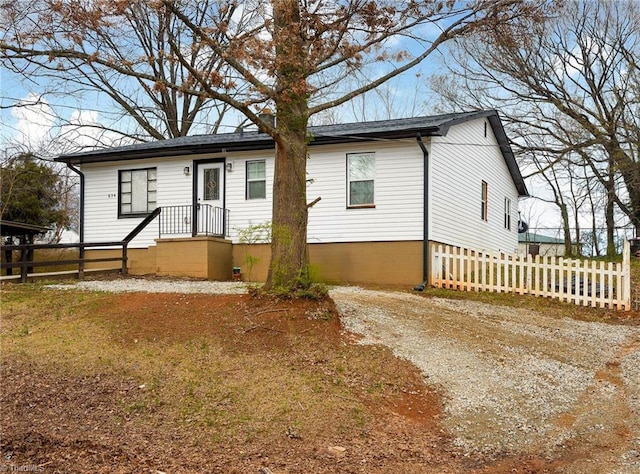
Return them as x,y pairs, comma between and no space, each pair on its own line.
268,118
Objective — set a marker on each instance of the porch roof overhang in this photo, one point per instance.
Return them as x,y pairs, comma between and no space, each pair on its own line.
437,125
12,228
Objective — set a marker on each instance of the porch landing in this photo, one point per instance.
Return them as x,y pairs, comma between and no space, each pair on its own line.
198,257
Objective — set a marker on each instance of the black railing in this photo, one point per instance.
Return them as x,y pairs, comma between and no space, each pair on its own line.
208,219
175,220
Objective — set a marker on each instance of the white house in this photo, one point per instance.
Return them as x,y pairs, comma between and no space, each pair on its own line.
538,244
387,189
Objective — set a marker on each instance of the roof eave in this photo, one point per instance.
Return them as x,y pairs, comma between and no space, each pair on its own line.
507,152
267,143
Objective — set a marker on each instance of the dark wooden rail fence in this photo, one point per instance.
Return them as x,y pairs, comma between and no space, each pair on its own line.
27,263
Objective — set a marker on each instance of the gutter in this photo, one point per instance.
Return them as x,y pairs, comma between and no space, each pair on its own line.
425,226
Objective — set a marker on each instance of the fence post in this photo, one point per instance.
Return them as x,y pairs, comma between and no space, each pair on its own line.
24,257
613,295
446,277
626,275
595,290
124,258
81,261
491,280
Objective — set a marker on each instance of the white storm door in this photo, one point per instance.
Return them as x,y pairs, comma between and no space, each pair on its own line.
210,198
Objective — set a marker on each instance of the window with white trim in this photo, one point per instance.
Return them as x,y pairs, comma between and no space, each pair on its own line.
137,190
484,202
360,179
256,179
507,213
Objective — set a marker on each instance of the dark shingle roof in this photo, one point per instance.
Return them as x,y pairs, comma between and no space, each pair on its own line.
436,125
538,238
20,228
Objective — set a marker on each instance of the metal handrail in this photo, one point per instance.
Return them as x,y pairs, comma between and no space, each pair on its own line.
203,219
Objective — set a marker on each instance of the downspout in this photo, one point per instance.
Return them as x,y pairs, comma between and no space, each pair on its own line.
81,175
81,225
425,229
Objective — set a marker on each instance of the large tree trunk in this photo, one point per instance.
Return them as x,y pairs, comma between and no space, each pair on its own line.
631,174
566,229
289,233
610,214
288,267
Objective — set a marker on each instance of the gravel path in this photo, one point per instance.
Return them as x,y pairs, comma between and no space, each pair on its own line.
514,382
129,285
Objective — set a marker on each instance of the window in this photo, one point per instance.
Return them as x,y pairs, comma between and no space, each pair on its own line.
137,192
211,184
507,213
360,175
256,180
484,211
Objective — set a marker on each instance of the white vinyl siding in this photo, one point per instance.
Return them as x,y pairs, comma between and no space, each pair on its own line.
398,194
459,162
244,212
101,198
398,208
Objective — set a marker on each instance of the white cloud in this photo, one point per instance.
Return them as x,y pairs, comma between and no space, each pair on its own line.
38,129
34,121
84,117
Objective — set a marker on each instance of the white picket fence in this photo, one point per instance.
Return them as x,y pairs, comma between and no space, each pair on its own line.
583,282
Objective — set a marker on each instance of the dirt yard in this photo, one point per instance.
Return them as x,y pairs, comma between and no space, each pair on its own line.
185,383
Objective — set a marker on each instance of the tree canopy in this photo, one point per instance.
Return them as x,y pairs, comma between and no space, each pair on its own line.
290,56
569,88
29,193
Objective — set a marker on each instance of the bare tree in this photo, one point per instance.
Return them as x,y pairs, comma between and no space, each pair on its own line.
288,55
570,83
133,57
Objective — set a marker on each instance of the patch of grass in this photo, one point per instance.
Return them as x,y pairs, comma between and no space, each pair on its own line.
229,368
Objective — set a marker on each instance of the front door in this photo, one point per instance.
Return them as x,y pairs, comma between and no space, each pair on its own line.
210,205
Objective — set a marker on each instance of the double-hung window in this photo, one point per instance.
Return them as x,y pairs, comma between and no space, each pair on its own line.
256,180
360,179
507,213
137,192
484,209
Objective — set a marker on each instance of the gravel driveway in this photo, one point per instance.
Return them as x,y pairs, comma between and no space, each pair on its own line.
514,382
